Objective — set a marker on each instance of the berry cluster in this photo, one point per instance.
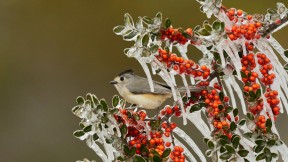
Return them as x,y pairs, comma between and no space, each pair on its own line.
168,111
182,65
168,127
244,26
216,108
157,143
175,35
261,123
268,79
177,154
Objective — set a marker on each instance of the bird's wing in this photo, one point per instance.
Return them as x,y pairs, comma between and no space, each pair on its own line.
142,87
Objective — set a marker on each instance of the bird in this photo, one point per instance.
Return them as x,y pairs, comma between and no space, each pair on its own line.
136,90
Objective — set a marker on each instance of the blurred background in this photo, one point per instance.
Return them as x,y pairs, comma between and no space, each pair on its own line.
52,51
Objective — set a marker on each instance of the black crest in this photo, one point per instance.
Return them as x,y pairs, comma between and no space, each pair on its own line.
129,71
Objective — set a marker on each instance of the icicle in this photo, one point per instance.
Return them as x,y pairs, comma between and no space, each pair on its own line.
90,143
228,85
242,40
186,151
280,27
185,84
235,62
283,150
220,51
196,119
190,142
223,17
147,72
107,147
173,78
239,93
276,45
183,49
192,80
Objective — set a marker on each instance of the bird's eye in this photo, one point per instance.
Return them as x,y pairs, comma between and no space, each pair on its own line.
121,78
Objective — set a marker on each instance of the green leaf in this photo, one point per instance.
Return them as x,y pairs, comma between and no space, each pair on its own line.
208,153
222,26
242,122
225,156
123,130
235,112
220,107
138,159
260,157
156,158
243,75
203,32
248,135
131,35
118,29
258,148
145,40
252,94
271,143
222,149
95,137
126,149
229,109
229,149
132,151
221,96
258,94
147,20
210,144
104,105
166,153
104,119
268,123
115,100
235,141
216,25
206,140
155,153
260,142
87,128
195,107
271,11
78,133
274,155
154,48
286,52
208,27
186,35
128,22
243,153
250,116
109,140
121,158
80,100
167,23
233,126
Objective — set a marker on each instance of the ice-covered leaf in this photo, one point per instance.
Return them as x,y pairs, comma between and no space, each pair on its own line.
118,29
242,122
229,149
78,133
225,156
145,40
80,100
233,126
138,159
243,153
115,100
168,23
166,153
260,157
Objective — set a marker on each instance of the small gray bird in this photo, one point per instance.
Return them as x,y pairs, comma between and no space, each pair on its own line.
136,90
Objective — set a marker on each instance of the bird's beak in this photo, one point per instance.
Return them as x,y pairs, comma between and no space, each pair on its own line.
113,82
